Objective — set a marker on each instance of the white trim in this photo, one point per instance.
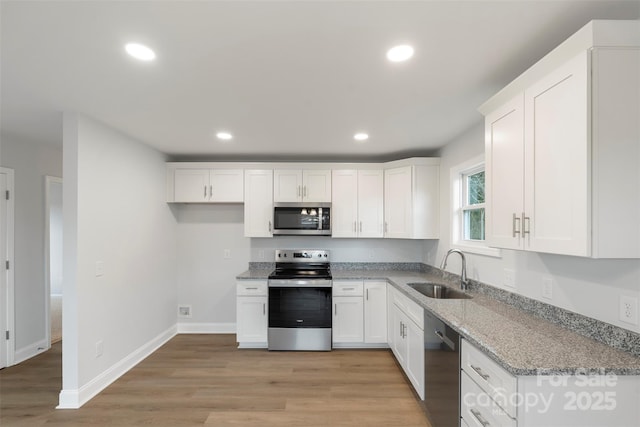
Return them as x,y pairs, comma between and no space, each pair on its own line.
10,297
74,399
30,351
253,345
206,328
359,345
47,254
479,248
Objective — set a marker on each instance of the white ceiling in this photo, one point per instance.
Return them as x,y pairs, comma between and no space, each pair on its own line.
290,79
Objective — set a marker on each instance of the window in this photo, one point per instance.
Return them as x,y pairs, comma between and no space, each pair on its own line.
468,208
473,205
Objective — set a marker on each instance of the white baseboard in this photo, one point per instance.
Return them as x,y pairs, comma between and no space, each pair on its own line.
206,328
359,345
75,398
29,351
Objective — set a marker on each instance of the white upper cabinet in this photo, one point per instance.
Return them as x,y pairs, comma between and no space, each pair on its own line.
292,185
357,203
258,204
411,201
208,185
563,155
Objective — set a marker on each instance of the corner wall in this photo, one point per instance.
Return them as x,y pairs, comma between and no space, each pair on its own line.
31,163
590,287
120,257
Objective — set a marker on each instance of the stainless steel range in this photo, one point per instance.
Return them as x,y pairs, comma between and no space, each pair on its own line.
300,301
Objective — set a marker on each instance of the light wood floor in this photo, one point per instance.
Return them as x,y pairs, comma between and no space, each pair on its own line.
206,380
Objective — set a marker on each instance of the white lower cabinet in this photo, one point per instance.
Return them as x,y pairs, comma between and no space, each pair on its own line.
406,338
491,396
252,312
375,312
359,313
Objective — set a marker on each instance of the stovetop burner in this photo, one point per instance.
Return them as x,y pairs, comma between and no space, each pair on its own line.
302,264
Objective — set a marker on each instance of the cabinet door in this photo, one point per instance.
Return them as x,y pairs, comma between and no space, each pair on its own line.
375,312
227,185
397,202
557,158
287,185
399,347
258,203
251,319
370,203
504,174
316,186
414,364
344,203
348,319
191,185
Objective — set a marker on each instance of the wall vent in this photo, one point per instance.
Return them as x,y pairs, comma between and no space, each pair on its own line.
184,311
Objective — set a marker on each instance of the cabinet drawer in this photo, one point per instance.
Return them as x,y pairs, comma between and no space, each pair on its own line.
251,288
348,288
489,376
477,409
410,308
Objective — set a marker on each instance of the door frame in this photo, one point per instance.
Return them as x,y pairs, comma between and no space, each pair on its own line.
10,349
48,180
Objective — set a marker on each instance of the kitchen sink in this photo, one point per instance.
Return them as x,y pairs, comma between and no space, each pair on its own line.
435,290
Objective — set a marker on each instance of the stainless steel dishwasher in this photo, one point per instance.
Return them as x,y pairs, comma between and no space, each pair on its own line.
442,372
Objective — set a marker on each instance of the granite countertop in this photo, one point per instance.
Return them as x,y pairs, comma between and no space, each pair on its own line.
520,342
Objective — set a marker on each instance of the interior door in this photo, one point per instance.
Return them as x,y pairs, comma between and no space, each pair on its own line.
4,276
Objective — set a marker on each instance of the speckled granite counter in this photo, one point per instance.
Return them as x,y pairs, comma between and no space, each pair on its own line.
522,343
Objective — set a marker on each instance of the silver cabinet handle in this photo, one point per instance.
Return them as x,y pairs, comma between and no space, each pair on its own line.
264,309
355,227
252,289
439,334
269,226
361,226
513,225
335,309
367,294
304,194
401,330
480,418
210,191
479,372
348,289
525,224
299,191
205,191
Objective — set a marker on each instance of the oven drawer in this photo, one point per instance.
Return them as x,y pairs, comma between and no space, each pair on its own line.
251,288
348,288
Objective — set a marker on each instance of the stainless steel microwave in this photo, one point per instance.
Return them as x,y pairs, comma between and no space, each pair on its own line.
302,219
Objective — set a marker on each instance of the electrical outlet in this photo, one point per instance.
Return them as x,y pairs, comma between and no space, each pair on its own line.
227,254
509,278
547,287
99,348
184,311
629,309
99,268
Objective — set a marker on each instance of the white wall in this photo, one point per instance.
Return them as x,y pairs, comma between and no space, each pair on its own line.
206,280
55,238
114,214
586,286
31,163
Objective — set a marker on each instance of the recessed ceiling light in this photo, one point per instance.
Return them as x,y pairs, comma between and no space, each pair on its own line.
360,136
224,136
140,52
400,53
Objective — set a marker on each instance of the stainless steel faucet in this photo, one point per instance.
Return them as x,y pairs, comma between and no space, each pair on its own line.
463,276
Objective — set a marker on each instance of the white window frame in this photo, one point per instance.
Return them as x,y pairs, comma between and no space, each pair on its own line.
458,173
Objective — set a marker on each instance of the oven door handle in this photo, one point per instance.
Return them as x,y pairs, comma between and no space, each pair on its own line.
299,283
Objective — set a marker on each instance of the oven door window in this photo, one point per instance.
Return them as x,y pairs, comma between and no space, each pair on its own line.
296,218
299,307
